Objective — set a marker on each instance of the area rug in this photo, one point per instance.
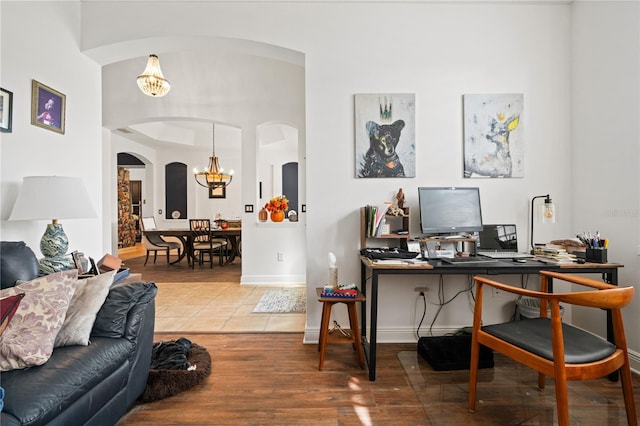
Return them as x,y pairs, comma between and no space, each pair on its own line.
284,300
164,383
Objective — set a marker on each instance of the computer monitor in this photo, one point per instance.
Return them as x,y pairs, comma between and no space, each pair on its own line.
449,210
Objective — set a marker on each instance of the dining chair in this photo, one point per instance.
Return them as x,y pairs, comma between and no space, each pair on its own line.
155,243
553,348
203,242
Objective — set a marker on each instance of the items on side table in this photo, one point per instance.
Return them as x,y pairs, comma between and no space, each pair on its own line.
351,336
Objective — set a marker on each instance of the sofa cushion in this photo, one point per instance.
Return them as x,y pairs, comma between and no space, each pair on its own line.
38,394
29,337
111,320
87,300
17,262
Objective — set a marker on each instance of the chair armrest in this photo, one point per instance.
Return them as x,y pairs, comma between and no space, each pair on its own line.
605,296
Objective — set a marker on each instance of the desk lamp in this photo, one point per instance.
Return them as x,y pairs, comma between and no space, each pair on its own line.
548,215
53,197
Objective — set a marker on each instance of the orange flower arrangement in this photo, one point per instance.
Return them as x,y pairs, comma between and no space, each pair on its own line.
279,203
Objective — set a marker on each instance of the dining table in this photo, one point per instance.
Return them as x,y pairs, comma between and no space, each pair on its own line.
185,236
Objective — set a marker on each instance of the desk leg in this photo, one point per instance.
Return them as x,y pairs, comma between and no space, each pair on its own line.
363,310
367,346
373,331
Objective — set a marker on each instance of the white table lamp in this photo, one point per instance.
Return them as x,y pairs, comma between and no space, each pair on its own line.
53,198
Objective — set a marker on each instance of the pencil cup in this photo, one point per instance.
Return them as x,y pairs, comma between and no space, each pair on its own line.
596,255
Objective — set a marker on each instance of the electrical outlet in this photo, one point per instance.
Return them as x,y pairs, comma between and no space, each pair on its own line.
280,257
421,289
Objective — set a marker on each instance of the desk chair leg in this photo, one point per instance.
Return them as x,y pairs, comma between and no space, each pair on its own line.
562,402
355,330
146,258
155,256
324,330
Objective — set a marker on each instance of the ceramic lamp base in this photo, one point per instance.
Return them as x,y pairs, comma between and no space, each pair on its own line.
54,242
49,265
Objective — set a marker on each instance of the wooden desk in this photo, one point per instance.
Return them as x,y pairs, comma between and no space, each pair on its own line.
369,268
185,235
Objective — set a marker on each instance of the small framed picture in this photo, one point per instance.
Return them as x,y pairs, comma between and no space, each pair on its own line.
47,107
6,110
218,191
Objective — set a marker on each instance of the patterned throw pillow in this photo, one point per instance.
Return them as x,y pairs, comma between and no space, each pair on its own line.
29,337
87,300
8,307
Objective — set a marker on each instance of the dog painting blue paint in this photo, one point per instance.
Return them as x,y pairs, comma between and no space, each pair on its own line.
385,144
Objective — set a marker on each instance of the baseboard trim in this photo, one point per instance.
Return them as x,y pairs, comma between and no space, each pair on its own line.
274,280
387,335
406,335
634,361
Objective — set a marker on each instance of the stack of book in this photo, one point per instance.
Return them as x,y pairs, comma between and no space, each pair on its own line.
375,219
341,294
556,255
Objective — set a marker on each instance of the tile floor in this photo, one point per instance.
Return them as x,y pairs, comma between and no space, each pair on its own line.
218,307
214,307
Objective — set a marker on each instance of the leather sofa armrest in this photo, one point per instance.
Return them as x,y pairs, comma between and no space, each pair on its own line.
17,262
114,318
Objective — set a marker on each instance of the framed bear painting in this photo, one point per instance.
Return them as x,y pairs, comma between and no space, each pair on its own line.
385,135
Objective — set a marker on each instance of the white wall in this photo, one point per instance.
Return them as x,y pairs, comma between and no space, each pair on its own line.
40,41
605,141
439,51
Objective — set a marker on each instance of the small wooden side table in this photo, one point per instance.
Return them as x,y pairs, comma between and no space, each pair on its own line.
353,331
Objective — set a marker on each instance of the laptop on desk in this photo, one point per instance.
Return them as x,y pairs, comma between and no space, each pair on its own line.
499,242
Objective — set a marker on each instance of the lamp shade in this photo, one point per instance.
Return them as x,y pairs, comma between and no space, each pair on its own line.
52,197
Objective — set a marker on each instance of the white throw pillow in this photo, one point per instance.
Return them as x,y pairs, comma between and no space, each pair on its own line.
87,300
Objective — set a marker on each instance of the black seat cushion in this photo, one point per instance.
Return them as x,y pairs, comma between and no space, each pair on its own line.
534,335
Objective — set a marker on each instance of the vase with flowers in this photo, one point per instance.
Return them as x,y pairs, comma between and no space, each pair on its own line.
276,207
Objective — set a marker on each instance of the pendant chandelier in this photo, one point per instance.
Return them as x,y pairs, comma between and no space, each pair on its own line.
151,81
214,177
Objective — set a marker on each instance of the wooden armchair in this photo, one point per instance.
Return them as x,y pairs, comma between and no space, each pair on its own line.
554,349
203,242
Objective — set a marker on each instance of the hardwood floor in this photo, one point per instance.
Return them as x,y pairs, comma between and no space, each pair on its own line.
273,379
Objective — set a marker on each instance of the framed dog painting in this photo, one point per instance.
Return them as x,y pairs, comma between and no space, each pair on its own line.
385,135
493,136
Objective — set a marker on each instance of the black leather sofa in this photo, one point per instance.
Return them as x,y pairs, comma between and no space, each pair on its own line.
82,385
